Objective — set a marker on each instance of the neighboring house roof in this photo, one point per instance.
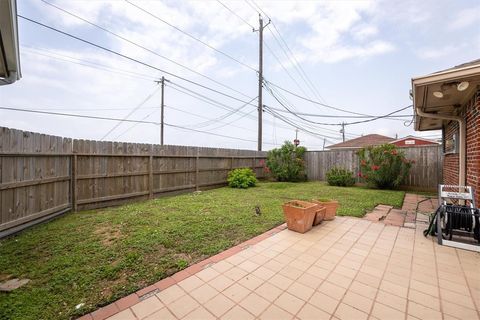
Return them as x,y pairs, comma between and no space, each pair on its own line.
9,49
415,138
363,141
452,98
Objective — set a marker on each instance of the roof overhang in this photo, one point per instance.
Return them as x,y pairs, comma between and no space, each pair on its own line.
452,101
9,49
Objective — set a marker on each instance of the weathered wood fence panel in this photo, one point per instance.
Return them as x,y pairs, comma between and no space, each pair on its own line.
426,172
35,177
42,176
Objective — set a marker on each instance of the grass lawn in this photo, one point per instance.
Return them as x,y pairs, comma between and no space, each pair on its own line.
95,257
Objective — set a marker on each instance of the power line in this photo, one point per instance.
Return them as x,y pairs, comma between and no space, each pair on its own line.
142,47
127,120
131,112
236,14
191,36
127,57
95,66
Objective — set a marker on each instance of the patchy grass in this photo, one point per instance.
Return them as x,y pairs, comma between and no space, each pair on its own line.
95,257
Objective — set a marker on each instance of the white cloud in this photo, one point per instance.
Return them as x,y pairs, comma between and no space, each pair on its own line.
465,18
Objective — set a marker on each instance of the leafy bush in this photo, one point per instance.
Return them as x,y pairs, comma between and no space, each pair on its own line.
241,178
340,177
383,167
286,163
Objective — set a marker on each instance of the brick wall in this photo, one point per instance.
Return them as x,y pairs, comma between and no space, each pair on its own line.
451,161
472,115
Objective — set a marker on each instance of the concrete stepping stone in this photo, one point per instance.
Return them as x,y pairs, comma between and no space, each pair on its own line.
13,284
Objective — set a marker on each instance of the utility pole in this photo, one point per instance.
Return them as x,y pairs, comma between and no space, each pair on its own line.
343,131
323,148
162,109
260,78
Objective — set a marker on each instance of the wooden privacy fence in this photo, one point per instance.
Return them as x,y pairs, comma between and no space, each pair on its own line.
426,172
42,176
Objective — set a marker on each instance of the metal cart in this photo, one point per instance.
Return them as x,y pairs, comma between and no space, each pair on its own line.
456,220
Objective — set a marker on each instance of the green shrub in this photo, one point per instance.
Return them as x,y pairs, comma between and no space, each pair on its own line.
383,167
340,177
241,178
286,163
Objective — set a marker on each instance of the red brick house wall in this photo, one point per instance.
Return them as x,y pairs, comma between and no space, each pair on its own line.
473,144
451,160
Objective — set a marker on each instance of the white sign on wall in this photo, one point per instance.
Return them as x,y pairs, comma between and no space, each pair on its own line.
409,141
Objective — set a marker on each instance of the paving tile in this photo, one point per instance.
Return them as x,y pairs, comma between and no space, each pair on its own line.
105,312
254,304
222,266
275,313
274,265
309,312
422,312
423,287
289,302
170,294
332,290
263,273
207,274
147,307
126,314
363,289
396,289
236,292
358,301
237,313
251,282
346,312
339,280
248,266
219,305
392,300
372,281
383,312
291,272
221,282
280,281
324,302
235,273
309,280
183,306
203,293
163,314
268,291
190,283
301,291
459,312
424,299
460,299
199,313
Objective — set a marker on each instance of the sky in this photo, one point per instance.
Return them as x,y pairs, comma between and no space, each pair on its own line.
357,56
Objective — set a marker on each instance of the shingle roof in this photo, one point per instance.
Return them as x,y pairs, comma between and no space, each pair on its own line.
363,141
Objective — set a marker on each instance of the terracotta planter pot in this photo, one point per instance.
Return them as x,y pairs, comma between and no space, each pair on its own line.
331,208
299,215
319,215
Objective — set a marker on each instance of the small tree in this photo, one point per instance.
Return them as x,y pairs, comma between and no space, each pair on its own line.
286,163
383,167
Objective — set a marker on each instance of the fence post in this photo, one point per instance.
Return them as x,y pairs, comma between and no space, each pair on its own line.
74,182
197,187
150,176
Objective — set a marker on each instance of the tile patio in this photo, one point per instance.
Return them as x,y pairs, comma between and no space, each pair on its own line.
343,269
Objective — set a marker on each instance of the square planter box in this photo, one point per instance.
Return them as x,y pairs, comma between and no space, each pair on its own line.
299,215
319,215
331,208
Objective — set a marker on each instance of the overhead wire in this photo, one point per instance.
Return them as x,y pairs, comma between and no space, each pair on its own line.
157,88
127,120
142,47
191,36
